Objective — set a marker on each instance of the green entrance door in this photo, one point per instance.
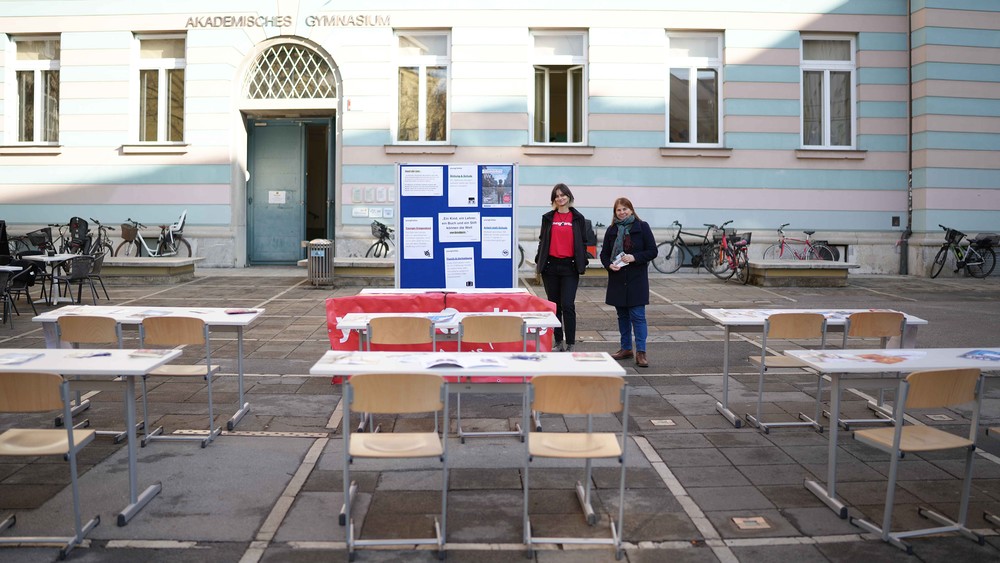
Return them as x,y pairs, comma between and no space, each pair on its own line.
276,191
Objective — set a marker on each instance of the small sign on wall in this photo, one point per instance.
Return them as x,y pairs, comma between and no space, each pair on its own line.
359,212
276,197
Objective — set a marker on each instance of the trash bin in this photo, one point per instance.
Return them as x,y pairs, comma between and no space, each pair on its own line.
320,262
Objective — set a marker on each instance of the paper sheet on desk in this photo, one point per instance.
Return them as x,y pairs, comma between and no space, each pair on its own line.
850,358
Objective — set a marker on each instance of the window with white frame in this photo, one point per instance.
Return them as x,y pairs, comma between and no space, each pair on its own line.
560,86
36,66
694,89
161,88
422,111
828,84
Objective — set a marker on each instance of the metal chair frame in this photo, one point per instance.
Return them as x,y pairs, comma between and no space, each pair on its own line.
490,329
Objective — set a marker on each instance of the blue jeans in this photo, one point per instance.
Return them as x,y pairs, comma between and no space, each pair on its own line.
632,319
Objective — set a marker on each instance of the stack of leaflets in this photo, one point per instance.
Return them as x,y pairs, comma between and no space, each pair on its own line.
14,358
149,353
619,260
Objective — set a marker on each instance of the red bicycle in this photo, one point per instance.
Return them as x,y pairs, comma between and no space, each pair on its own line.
788,248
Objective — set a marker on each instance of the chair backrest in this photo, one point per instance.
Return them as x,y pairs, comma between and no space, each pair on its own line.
400,330
95,270
577,394
795,325
173,331
491,328
875,324
27,276
941,388
30,392
87,329
5,282
80,266
396,393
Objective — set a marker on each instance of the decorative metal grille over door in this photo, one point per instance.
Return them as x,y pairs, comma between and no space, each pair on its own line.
290,71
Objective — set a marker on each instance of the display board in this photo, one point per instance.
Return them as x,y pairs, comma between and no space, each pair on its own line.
456,226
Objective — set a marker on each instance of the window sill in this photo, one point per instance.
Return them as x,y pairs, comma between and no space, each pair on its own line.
155,148
419,149
558,150
705,152
40,150
831,154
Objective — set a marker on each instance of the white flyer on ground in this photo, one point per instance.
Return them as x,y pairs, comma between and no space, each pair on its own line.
418,238
458,227
463,191
496,237
459,268
421,181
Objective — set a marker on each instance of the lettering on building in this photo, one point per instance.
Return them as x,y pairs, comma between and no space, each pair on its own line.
254,20
350,20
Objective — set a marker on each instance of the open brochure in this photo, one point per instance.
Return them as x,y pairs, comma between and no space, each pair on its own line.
588,356
14,358
149,353
991,355
619,260
461,361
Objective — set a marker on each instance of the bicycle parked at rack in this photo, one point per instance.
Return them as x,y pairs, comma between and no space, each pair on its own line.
171,241
380,248
674,253
978,257
734,256
101,246
788,248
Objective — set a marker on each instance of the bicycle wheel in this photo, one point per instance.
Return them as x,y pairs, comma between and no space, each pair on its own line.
979,262
939,259
377,250
669,257
773,252
742,267
520,256
820,252
102,250
718,262
129,248
17,246
179,247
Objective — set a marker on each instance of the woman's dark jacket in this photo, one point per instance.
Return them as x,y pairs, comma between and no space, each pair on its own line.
629,286
579,241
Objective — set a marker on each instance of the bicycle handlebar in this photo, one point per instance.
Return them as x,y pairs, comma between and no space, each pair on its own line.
100,226
783,226
137,224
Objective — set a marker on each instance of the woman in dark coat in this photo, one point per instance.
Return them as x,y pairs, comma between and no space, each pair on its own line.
561,260
628,249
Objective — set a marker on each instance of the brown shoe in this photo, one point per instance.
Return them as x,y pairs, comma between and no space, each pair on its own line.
640,360
622,354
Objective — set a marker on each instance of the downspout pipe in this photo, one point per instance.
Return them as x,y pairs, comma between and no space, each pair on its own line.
904,239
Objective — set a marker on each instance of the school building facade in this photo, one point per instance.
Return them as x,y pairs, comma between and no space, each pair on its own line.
274,122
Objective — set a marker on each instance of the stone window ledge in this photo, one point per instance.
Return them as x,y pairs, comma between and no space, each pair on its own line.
155,148
831,154
419,149
705,152
39,150
558,150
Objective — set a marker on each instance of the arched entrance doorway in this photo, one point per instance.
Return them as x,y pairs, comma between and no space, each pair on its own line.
289,108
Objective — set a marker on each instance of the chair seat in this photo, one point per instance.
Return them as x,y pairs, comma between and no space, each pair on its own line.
30,442
573,445
914,439
181,370
779,362
409,444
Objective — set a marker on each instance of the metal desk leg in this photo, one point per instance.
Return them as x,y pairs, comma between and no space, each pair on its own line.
829,494
723,407
136,501
244,406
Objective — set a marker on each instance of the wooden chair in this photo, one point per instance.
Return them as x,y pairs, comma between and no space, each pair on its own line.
399,393
579,395
401,330
490,329
788,326
883,325
33,392
927,390
178,331
94,330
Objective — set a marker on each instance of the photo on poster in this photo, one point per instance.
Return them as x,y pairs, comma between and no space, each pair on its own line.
498,186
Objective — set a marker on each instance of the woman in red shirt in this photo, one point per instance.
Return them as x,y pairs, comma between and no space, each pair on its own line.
561,259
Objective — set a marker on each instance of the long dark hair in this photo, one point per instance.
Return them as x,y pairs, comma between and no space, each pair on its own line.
561,188
622,201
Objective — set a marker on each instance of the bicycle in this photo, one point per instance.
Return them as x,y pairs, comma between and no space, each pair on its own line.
734,251
788,248
978,257
101,246
74,237
380,248
171,241
672,254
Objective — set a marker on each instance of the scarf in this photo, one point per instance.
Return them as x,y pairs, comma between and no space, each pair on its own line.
623,228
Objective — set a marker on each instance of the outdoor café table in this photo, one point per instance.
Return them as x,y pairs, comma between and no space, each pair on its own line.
51,262
114,362
534,321
747,320
217,318
879,364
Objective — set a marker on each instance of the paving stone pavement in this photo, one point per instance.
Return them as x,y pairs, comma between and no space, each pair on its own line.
270,490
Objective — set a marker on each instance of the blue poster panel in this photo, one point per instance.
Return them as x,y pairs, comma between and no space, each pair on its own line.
456,226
